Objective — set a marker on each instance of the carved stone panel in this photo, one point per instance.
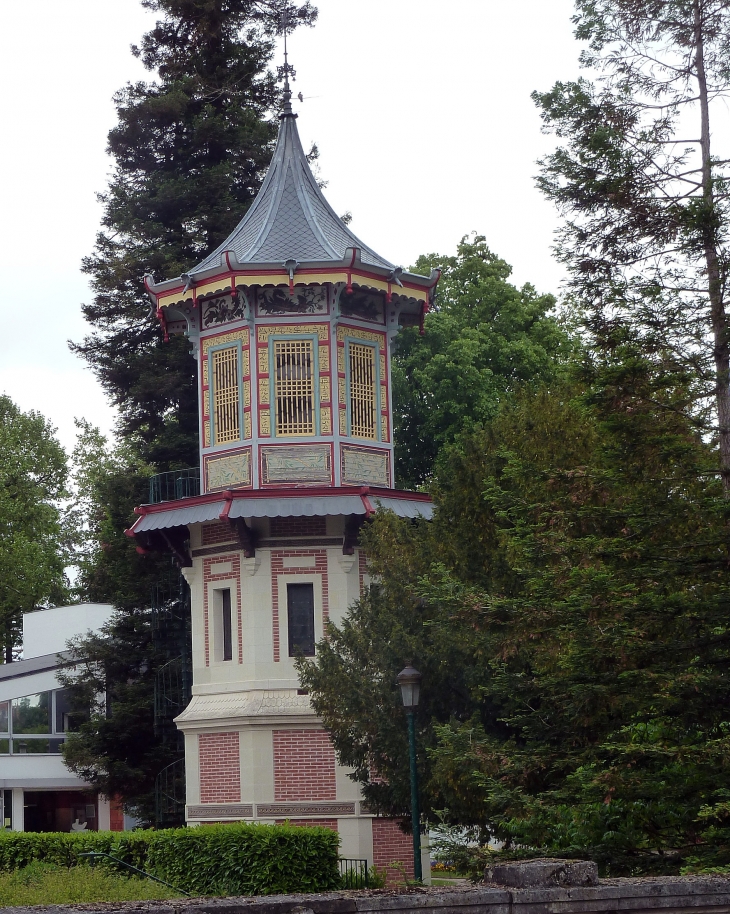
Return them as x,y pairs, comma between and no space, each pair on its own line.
298,463
222,309
228,470
304,300
365,466
227,811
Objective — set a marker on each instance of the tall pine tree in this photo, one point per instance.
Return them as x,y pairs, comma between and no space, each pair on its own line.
190,150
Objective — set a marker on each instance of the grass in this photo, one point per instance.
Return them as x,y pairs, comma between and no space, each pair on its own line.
44,883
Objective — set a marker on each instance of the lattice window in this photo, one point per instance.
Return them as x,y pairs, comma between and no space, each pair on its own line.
226,396
294,387
362,392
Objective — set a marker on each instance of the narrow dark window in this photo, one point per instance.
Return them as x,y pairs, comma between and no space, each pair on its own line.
300,612
226,615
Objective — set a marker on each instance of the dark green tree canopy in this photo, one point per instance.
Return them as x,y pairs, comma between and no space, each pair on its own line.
484,337
642,187
567,608
190,150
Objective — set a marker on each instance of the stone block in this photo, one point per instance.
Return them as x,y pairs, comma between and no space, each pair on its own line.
544,873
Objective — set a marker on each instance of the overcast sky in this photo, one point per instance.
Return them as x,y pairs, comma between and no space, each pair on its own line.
421,111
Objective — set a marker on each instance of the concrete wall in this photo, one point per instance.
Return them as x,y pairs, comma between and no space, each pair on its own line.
47,630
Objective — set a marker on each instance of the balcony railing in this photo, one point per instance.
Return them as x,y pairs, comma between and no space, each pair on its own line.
175,484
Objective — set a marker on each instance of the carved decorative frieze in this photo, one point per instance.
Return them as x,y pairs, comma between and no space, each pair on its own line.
228,470
280,810
299,463
223,309
365,466
279,300
224,338
323,353
227,811
325,420
322,331
324,389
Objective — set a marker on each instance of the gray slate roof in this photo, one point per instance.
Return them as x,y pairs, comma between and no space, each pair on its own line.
290,218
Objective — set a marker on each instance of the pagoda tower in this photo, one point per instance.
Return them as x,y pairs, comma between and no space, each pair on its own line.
291,320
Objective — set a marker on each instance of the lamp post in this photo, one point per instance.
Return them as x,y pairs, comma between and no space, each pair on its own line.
409,681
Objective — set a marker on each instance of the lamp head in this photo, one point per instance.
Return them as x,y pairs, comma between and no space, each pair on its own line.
409,680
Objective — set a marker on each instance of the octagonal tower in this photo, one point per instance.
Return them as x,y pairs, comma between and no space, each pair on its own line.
291,320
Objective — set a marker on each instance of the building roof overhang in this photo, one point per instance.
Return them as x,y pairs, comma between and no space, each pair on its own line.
289,231
250,504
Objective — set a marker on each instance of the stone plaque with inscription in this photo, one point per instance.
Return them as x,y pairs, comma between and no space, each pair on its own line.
228,471
365,466
307,463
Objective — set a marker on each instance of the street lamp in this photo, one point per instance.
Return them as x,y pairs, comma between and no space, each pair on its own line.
409,681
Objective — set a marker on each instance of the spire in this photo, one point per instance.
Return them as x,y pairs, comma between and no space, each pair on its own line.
290,220
287,70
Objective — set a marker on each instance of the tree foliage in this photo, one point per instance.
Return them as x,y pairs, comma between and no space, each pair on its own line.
190,150
567,608
643,190
484,337
34,541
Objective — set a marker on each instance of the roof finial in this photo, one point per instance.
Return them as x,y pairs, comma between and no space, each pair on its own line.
287,70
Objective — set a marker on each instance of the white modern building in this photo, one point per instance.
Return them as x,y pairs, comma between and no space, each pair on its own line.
38,792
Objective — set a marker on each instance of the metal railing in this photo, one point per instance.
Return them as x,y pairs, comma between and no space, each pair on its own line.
175,484
354,873
170,795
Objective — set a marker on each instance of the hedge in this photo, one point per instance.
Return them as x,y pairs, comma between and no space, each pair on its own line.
236,859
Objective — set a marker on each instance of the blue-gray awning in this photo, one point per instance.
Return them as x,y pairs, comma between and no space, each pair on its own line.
321,506
290,506
180,517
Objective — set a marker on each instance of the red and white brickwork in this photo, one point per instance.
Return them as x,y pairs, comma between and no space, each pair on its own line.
277,570
220,768
217,533
304,766
234,559
298,526
391,845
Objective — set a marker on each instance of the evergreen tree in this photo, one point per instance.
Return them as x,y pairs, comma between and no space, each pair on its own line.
567,607
190,150
483,337
643,191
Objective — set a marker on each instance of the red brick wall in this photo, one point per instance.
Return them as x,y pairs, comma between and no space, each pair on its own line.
217,533
209,578
304,823
391,845
277,569
304,766
220,768
298,526
116,815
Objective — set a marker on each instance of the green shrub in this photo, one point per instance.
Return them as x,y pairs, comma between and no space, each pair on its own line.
236,859
47,884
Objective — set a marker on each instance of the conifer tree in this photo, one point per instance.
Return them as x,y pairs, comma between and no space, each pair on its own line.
190,150
643,188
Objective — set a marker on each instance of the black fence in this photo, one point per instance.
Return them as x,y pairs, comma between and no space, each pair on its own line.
354,873
175,484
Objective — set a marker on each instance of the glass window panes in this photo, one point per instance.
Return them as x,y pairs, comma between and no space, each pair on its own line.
4,746
32,713
300,618
32,746
4,718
